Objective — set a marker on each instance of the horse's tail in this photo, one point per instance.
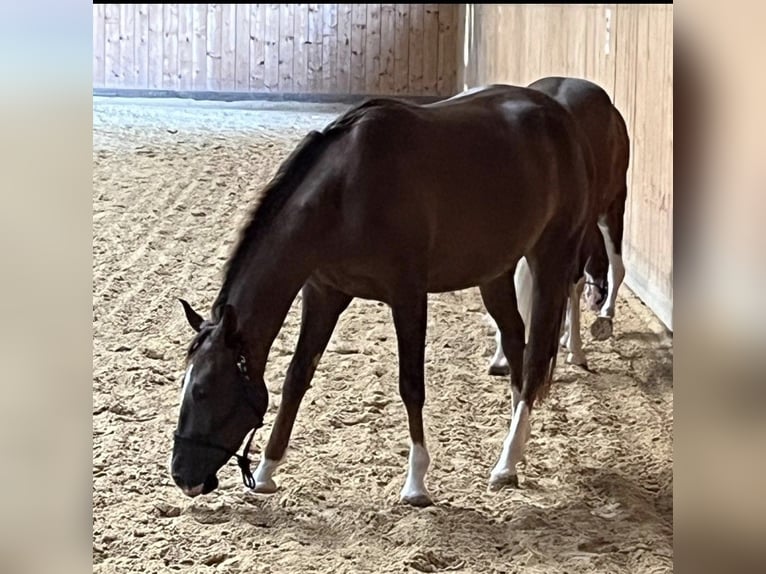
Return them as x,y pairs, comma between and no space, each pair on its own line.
524,283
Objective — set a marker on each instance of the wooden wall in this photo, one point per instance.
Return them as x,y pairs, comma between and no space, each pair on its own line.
406,49
628,50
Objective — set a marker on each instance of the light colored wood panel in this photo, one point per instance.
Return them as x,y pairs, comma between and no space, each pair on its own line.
199,46
286,46
271,49
314,56
99,40
401,49
372,50
300,56
257,47
330,80
358,43
185,45
156,46
170,54
127,51
416,49
445,80
112,45
242,52
344,48
141,46
430,48
214,44
387,48
228,47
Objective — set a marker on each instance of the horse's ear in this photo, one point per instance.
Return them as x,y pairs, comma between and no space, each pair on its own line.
192,316
229,326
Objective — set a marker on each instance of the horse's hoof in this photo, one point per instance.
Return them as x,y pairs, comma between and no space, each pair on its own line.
418,500
504,480
268,487
577,359
499,370
601,329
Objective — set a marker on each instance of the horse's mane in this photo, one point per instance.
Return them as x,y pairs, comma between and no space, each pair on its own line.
288,178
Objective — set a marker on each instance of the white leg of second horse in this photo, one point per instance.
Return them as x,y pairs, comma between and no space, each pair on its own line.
601,328
576,356
504,472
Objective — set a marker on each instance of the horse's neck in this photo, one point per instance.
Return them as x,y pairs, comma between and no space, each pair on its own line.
264,291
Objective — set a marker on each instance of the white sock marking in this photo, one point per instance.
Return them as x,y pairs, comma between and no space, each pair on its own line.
574,343
263,475
616,273
514,444
415,485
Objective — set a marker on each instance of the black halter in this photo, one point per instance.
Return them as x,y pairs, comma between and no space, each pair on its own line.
243,461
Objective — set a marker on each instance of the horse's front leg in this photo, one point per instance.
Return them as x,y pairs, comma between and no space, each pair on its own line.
410,319
322,306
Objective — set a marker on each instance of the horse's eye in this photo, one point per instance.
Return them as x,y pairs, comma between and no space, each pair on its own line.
199,393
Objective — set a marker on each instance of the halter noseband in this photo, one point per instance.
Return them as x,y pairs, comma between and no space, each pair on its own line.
243,461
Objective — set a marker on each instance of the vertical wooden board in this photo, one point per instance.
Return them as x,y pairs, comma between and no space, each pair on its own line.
330,49
401,49
271,49
112,45
430,48
213,47
286,46
257,71
445,79
199,46
416,50
170,56
98,45
185,46
314,61
242,51
127,53
372,50
141,46
228,47
358,40
300,55
387,48
344,48
156,46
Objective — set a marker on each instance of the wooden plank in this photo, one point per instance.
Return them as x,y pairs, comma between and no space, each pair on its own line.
286,46
343,82
156,46
99,39
330,49
199,46
416,50
170,53
372,50
387,47
228,47
271,49
314,56
141,46
213,43
112,45
358,40
447,53
242,51
185,46
430,48
300,55
127,53
257,47
401,49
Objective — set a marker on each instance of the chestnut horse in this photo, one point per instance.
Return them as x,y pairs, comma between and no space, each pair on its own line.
390,202
606,135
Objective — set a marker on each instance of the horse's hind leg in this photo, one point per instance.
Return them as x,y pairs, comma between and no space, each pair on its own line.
523,284
322,305
576,355
499,298
553,274
611,226
410,318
